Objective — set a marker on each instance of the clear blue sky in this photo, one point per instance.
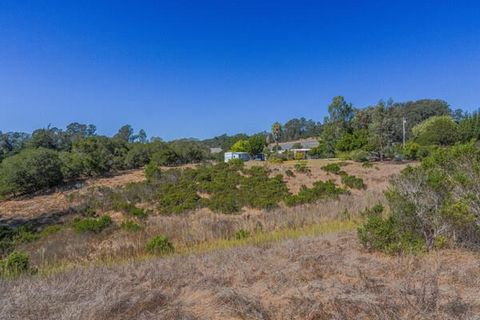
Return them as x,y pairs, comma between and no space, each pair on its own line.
201,68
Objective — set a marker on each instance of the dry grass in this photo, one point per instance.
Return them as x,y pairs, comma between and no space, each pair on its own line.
325,277
299,263
188,230
376,177
41,206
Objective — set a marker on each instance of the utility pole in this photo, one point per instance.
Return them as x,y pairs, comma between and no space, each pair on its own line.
403,123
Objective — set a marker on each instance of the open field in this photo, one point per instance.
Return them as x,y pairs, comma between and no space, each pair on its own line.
46,205
323,277
300,262
191,229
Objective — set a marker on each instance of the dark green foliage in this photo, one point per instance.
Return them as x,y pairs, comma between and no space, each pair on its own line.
301,167
152,172
72,165
359,155
242,234
82,225
15,264
432,204
131,209
260,191
289,173
411,151
50,230
138,155
130,226
387,235
440,130
178,198
256,143
320,190
30,170
159,245
353,141
100,155
295,129
332,168
469,127
225,202
353,181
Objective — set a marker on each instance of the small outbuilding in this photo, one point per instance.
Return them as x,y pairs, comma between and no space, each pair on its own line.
237,155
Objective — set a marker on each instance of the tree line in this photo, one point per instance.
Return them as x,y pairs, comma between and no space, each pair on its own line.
51,156
378,131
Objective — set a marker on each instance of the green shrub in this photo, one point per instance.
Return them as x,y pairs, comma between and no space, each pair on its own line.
299,156
132,210
15,264
276,158
432,205
353,182
91,224
50,230
226,202
332,168
437,130
178,198
130,226
289,173
159,245
384,234
242,234
24,235
301,167
320,190
152,172
411,150
359,155
29,171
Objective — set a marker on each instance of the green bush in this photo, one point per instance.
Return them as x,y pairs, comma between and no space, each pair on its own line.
438,130
242,234
320,190
359,156
289,173
50,230
15,264
276,158
29,171
432,205
301,167
130,226
159,245
132,210
332,168
353,182
411,151
225,202
91,225
386,235
152,172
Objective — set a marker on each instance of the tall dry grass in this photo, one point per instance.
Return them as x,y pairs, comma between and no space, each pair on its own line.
325,277
189,230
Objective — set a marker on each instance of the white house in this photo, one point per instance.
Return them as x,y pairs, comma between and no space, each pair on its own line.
237,155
